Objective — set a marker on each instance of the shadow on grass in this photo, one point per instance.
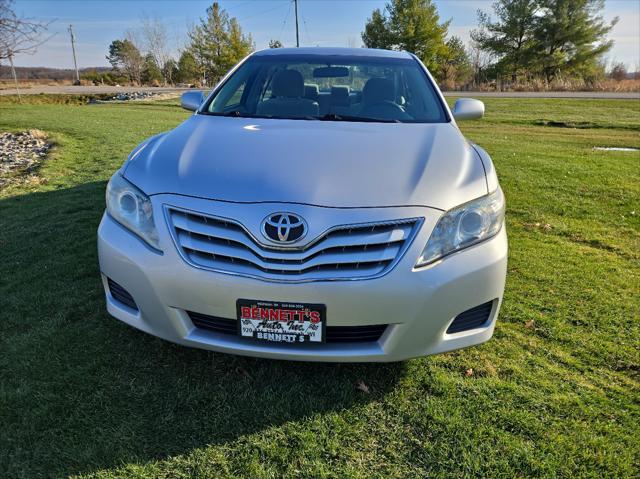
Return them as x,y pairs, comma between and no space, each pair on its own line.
81,392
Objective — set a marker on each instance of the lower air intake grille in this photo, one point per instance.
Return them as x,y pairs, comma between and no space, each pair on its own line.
213,323
471,318
354,334
121,295
335,334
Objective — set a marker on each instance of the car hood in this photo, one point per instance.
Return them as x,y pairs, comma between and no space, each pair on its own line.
324,163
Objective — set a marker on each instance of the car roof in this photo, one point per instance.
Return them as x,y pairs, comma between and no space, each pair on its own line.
333,51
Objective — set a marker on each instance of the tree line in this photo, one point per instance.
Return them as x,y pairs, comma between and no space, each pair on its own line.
215,44
517,41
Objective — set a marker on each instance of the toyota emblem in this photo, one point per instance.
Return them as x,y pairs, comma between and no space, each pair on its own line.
284,227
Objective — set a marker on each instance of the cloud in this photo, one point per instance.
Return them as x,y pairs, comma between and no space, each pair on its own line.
462,32
626,37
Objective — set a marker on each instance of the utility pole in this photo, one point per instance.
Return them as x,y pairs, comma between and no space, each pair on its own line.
73,48
295,2
15,77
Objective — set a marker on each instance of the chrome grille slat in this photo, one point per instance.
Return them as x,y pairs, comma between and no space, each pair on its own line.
215,229
393,233
249,269
357,251
292,255
203,246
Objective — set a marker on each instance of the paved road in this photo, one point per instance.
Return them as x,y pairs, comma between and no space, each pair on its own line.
84,90
548,94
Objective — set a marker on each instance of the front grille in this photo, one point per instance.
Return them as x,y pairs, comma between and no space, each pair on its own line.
121,295
471,318
345,252
334,334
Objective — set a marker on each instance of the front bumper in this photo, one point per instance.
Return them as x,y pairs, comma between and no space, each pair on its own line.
417,304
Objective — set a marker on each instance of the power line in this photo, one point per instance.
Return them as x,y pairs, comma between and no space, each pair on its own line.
306,28
284,24
295,2
260,13
242,4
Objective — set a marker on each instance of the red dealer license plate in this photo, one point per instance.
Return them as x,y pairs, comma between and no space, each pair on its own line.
280,322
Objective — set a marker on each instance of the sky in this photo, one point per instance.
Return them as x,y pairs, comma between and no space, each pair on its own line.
322,23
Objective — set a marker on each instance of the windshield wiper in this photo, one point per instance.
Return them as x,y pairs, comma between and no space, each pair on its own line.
327,117
336,117
234,113
239,114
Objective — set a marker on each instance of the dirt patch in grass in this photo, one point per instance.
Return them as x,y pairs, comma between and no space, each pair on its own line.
584,125
20,156
566,124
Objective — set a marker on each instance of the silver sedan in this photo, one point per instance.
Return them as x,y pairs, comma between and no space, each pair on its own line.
320,204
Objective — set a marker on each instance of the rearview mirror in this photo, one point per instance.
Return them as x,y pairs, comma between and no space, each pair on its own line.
191,100
468,109
330,72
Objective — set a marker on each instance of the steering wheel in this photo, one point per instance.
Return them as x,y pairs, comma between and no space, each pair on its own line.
387,110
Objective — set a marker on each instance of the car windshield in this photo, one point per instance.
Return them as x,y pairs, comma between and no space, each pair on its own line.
333,88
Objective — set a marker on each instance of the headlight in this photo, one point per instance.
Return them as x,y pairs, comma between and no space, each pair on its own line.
132,209
464,226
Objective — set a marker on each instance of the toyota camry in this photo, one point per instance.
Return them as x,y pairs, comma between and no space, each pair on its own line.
320,204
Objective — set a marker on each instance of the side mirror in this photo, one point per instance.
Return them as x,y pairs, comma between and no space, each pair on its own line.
191,100
468,109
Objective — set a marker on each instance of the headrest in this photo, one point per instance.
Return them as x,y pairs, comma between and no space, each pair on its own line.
311,91
288,84
340,95
377,90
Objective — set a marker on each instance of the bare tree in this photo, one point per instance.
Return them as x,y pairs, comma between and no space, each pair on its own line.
135,63
480,60
618,71
155,40
18,35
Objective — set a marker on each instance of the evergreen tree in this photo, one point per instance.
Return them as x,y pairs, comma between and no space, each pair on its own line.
218,43
511,37
125,57
570,37
455,65
377,32
238,45
170,71
151,73
545,37
188,71
412,25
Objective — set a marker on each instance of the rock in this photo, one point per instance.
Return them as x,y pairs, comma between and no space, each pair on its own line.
135,95
132,96
20,153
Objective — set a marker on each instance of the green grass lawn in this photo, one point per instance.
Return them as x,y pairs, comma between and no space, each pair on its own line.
556,393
